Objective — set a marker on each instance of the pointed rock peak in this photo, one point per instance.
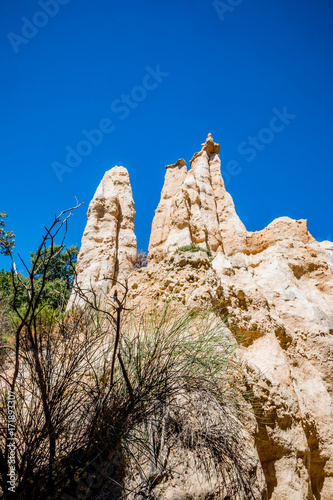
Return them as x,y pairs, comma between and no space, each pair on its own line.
210,146
180,163
108,249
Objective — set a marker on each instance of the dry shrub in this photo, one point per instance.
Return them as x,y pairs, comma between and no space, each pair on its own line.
168,364
104,397
141,260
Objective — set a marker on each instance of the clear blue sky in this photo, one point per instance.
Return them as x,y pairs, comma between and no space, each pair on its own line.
219,72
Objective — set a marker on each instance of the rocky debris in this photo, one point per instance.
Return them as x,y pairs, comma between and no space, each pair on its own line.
108,248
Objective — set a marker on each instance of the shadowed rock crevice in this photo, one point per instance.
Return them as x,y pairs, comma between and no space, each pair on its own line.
119,222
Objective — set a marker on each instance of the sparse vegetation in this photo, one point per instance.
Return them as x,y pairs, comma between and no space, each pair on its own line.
141,259
56,285
6,327
105,393
195,248
7,242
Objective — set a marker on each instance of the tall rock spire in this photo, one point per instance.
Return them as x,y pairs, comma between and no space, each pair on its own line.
108,247
195,208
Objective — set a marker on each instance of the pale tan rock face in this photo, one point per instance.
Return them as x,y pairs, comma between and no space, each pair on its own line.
275,286
174,178
287,302
286,321
232,231
108,247
281,229
195,208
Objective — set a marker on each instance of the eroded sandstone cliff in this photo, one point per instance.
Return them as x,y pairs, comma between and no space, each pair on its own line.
274,286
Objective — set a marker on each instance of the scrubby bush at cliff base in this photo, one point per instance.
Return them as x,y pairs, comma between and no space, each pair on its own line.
174,371
105,399
6,237
141,259
53,289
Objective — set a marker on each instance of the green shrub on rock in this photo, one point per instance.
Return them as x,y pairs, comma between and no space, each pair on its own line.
195,248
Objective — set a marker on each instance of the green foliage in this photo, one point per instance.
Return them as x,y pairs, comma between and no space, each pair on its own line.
46,315
6,326
6,237
60,266
195,248
194,347
59,275
6,282
58,279
6,311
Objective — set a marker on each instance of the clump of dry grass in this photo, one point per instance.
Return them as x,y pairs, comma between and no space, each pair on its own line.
171,367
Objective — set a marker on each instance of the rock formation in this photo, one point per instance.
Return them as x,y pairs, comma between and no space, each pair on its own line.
108,247
195,208
280,295
274,286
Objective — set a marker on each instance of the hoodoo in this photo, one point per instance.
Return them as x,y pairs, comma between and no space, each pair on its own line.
108,247
196,208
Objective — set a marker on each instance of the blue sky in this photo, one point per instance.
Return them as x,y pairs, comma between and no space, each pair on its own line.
72,66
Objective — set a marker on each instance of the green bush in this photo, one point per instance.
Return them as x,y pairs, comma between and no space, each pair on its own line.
195,248
56,284
7,242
